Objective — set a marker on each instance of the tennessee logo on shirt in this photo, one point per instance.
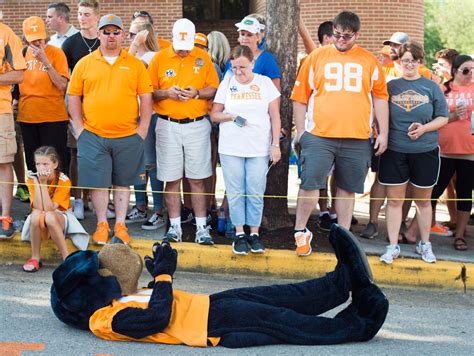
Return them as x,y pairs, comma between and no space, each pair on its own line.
170,73
233,89
409,100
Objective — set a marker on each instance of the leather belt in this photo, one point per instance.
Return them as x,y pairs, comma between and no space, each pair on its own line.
181,121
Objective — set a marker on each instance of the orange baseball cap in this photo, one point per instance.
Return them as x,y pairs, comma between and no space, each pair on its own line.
200,39
34,29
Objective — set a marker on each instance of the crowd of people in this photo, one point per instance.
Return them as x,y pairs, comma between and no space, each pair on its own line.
168,111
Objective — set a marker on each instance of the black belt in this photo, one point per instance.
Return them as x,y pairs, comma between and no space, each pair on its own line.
181,121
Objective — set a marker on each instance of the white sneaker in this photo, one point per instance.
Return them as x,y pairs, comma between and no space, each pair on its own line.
155,222
426,251
393,251
135,215
78,209
202,236
174,234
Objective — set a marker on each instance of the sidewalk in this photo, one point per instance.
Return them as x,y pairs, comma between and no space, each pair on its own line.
409,270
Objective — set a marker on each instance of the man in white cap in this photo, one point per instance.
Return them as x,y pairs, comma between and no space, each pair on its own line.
183,79
104,109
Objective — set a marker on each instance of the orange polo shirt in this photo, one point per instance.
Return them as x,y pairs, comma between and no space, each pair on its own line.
188,322
40,99
109,93
11,58
196,69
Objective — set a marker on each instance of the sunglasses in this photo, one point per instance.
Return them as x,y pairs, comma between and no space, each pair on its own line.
466,71
140,14
115,33
131,34
344,37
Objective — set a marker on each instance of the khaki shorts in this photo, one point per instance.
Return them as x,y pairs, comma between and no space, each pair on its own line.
7,138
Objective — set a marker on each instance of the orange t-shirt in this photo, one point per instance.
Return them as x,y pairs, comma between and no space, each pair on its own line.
11,58
109,93
337,88
391,72
196,69
40,99
188,321
61,195
163,43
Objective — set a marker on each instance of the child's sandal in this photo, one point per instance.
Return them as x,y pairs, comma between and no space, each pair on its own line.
32,262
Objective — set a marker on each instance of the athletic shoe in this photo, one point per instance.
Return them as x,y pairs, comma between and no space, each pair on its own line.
393,251
440,230
303,242
78,209
425,250
155,222
7,227
101,235
174,234
229,229
325,222
202,236
370,231
121,234
255,242
18,225
240,245
354,220
110,211
22,193
135,215
186,215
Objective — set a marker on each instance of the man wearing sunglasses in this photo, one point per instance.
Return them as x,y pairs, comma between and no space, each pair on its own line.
338,86
104,109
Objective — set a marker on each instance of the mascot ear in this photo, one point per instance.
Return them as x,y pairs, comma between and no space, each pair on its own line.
79,290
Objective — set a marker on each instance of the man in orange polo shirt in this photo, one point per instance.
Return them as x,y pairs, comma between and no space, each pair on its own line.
183,79
104,107
12,65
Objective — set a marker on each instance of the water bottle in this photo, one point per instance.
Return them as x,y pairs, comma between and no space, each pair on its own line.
472,122
221,222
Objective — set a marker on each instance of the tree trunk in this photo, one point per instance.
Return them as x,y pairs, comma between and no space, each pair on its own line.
282,40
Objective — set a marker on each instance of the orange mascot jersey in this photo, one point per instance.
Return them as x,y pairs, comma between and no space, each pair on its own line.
337,88
188,322
61,195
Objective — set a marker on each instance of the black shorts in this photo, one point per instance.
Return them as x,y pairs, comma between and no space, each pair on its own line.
420,169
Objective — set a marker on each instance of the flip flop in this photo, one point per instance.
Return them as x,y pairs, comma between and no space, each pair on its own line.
32,262
460,244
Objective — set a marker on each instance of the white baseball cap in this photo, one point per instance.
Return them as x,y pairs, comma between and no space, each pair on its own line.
397,38
183,35
249,24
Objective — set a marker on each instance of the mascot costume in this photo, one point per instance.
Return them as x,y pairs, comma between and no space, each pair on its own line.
98,292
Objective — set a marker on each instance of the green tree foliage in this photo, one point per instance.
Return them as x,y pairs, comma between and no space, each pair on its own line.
448,24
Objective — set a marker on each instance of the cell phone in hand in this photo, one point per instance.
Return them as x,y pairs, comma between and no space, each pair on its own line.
240,121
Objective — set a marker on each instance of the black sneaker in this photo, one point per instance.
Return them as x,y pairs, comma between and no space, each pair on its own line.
325,222
186,215
240,245
256,245
354,220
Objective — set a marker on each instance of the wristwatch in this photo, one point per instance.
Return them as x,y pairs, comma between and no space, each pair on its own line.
197,95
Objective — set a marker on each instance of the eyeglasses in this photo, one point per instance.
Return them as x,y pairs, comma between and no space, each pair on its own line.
115,33
131,34
409,61
466,71
345,37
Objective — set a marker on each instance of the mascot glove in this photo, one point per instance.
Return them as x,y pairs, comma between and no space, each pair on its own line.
164,259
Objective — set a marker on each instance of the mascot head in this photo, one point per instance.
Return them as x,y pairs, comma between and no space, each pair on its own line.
87,281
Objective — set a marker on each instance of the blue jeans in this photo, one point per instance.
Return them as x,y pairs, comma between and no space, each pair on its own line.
150,167
245,181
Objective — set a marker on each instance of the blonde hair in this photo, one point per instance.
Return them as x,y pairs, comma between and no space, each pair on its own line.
50,152
218,48
150,43
94,5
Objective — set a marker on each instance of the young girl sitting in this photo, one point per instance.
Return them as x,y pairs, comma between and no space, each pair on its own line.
49,196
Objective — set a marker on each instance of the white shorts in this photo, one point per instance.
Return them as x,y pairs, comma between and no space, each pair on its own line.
183,148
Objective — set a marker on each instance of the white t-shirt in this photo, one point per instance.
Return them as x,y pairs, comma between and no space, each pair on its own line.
250,101
147,57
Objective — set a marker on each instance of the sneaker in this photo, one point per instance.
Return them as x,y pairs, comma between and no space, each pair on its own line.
155,222
78,209
202,236
303,242
440,230
22,193
174,234
425,250
325,222
186,215
393,251
7,227
354,220
255,242
135,215
110,211
229,229
101,235
18,225
370,231
240,245
121,234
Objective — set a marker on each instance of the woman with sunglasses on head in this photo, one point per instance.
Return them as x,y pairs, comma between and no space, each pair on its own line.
418,110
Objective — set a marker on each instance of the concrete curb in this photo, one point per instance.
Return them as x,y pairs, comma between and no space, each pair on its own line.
279,263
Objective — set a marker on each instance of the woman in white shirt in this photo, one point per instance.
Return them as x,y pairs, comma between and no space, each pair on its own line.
246,107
